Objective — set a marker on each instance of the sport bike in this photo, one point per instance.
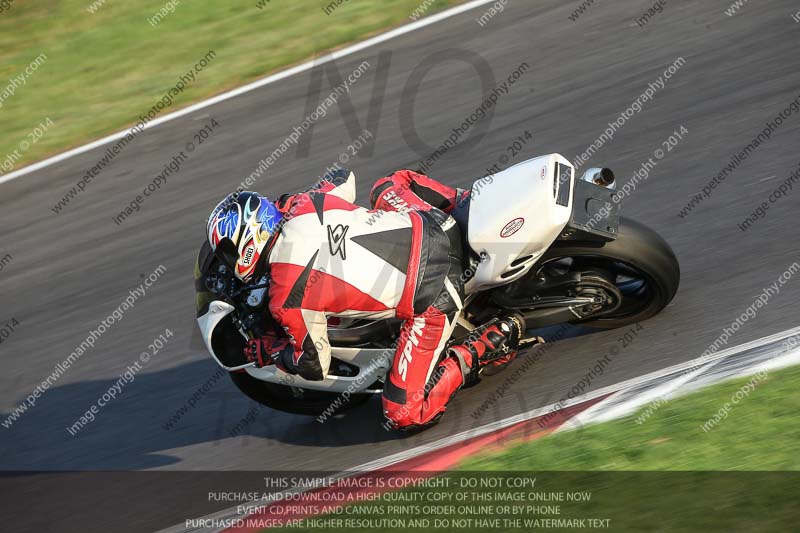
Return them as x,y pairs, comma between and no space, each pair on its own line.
555,249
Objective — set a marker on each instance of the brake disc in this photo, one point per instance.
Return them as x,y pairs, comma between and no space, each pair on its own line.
596,285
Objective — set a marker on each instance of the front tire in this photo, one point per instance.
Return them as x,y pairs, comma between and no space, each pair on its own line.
638,248
294,400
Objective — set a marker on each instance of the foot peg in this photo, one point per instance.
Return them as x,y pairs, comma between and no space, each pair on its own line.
495,342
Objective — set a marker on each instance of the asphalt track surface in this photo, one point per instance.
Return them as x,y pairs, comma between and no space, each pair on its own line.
71,270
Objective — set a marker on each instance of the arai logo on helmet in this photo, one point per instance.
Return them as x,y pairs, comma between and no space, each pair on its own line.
512,227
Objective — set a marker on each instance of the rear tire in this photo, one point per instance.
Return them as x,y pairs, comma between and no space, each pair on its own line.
639,247
293,400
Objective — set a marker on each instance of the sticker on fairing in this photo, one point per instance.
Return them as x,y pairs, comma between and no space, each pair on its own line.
512,227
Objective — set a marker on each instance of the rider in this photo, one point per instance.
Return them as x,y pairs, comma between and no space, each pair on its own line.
327,257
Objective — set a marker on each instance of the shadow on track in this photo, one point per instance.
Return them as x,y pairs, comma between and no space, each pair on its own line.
190,404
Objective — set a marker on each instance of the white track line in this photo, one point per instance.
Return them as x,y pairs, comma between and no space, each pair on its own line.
698,364
602,412
308,65
510,421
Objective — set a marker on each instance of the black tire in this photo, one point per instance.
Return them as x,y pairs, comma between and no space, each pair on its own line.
640,248
293,399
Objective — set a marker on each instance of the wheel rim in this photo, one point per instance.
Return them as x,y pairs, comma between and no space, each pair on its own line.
638,289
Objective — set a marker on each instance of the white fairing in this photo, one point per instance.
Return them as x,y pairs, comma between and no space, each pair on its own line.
514,218
217,310
373,363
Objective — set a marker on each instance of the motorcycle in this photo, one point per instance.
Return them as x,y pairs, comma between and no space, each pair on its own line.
556,250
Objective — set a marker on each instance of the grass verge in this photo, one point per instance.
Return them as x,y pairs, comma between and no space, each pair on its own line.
665,474
760,431
105,62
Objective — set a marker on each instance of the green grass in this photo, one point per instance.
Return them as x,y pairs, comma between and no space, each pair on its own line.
761,432
666,474
104,69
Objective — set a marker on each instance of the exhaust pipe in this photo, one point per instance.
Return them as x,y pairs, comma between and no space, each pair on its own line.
604,177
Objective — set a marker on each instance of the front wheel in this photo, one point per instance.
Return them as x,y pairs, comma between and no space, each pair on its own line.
639,263
294,399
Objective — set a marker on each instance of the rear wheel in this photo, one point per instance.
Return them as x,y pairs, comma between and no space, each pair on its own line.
294,399
639,264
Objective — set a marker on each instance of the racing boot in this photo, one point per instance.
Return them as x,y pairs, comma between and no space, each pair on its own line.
489,348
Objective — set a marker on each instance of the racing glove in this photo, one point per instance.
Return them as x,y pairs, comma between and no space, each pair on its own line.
268,350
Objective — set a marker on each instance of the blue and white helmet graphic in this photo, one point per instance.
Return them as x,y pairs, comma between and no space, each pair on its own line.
248,220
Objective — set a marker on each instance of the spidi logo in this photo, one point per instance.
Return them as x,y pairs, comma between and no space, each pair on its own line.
411,343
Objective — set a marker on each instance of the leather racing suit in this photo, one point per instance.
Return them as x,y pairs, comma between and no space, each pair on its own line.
401,259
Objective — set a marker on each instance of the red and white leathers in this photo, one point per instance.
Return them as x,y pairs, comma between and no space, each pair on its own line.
402,259
423,379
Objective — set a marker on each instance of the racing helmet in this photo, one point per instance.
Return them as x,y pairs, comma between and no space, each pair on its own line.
242,225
